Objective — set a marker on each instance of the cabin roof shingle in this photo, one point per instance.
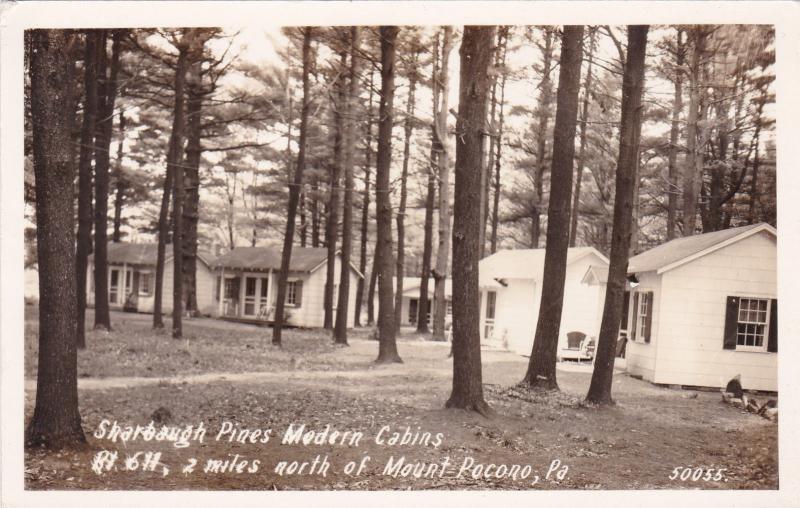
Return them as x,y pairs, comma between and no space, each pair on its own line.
304,259
146,254
524,263
679,249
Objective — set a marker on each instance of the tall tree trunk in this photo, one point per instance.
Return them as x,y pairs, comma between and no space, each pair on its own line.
163,236
753,208
476,56
107,94
545,101
294,191
315,226
56,421
542,365
119,196
440,112
175,166
576,195
672,161
423,308
303,220
499,145
694,157
408,129
491,140
191,180
630,132
373,282
387,350
332,224
84,243
343,307
365,218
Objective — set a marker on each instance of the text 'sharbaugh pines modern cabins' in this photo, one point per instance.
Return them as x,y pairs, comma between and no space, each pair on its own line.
705,309
250,286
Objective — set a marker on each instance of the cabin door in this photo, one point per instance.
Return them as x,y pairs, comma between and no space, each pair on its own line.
250,296
231,297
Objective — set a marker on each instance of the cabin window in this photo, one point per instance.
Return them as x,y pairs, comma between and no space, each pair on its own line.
642,315
294,290
491,300
752,324
231,289
145,284
449,307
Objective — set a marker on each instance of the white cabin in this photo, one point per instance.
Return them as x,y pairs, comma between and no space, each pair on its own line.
250,277
511,292
704,309
132,275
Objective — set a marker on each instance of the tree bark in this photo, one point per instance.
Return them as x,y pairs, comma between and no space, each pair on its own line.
630,132
542,365
576,195
499,144
408,129
56,421
84,240
342,307
694,158
440,132
672,162
332,224
387,350
365,219
163,234
423,308
191,180
373,282
119,178
174,159
294,192
107,93
474,82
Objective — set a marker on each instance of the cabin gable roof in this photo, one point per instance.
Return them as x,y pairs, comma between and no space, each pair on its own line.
680,251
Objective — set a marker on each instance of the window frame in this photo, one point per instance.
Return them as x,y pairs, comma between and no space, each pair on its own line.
142,277
763,348
291,293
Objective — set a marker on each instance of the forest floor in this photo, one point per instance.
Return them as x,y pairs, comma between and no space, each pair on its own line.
227,375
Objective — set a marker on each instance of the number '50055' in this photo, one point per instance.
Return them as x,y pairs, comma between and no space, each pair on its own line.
697,474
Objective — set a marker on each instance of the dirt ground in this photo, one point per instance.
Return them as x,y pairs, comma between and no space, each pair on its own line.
228,376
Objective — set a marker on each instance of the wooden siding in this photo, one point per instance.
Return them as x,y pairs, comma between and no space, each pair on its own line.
693,296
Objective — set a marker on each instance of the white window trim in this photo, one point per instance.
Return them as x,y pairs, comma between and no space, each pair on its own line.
639,324
149,275
765,343
288,285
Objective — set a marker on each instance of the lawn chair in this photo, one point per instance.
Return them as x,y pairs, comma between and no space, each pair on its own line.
579,347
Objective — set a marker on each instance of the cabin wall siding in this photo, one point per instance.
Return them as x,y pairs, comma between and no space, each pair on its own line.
694,296
640,356
517,306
